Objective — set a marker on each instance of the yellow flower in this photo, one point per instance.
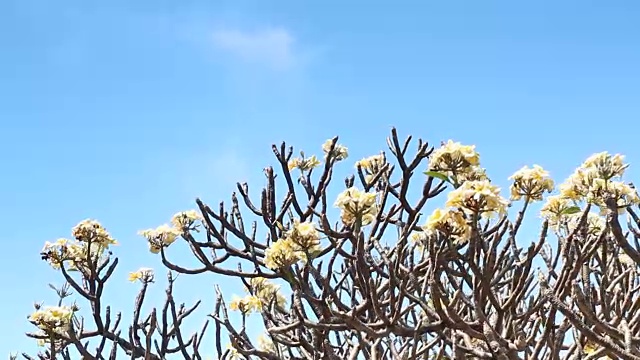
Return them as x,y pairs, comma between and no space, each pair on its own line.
233,353
590,348
453,157
304,237
606,165
576,186
354,203
451,223
185,219
479,197
339,152
162,236
419,237
593,182
265,343
75,253
145,275
531,183
266,291
471,173
554,209
622,193
52,318
372,164
92,231
595,224
304,164
281,254
245,304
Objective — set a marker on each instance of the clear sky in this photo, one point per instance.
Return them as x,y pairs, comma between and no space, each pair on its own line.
125,111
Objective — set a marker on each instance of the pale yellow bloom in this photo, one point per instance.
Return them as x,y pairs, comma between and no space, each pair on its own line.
606,166
590,348
302,239
354,203
594,182
281,254
92,231
266,291
576,187
419,236
622,193
265,343
145,275
451,223
233,353
453,157
372,164
554,209
304,236
52,318
185,219
75,253
246,304
471,173
340,152
595,224
479,197
531,183
304,164
162,236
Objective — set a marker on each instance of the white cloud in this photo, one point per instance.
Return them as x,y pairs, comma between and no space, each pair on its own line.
273,47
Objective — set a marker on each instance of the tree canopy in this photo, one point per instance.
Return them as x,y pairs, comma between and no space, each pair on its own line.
390,276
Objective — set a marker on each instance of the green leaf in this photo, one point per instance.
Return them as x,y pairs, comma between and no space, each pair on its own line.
437,175
571,210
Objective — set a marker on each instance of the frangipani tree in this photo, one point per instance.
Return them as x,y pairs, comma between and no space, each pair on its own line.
391,277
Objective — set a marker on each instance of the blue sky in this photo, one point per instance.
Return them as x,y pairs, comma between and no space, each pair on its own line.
126,111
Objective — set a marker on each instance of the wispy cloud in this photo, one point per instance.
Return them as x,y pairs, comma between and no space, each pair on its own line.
273,47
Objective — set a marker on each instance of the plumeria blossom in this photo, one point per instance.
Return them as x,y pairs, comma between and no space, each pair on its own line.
144,275
340,152
598,179
371,166
56,319
266,291
185,219
265,343
606,166
356,204
479,197
555,208
304,236
595,224
162,236
297,243
92,231
246,304
459,162
91,242
281,254
304,164
451,223
530,183
56,253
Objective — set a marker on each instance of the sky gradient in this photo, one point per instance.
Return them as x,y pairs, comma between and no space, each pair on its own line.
126,111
